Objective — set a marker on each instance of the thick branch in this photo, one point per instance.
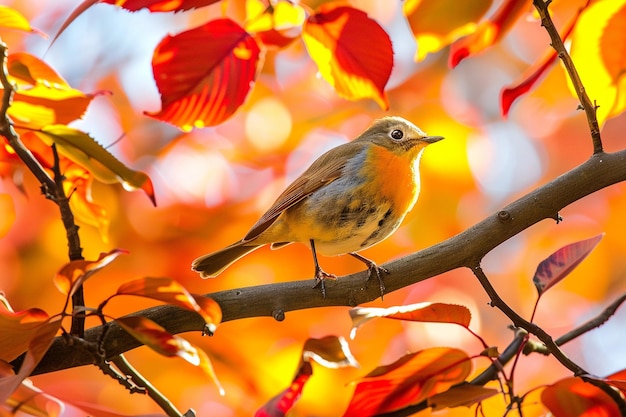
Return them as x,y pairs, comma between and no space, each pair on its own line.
463,250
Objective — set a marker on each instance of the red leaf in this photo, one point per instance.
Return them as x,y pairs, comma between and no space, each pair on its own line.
283,402
572,397
409,380
488,32
357,66
422,312
204,74
160,5
558,265
535,72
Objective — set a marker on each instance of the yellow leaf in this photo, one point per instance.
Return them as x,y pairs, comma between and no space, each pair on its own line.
12,19
82,149
437,23
7,208
600,66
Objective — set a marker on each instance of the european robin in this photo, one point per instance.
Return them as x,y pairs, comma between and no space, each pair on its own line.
352,197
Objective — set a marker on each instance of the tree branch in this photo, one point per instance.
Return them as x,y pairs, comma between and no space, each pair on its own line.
463,250
557,43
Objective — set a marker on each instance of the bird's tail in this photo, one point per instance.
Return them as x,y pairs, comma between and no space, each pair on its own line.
211,265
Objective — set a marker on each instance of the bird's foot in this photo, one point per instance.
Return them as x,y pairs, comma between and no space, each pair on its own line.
320,277
374,270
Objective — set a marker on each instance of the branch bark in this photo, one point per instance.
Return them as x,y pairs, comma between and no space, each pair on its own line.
463,250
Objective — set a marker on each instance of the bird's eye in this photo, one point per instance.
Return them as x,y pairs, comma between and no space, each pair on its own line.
396,134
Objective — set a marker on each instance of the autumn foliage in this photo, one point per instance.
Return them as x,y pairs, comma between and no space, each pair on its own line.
235,98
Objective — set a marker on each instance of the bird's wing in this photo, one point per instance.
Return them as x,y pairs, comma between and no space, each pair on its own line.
324,170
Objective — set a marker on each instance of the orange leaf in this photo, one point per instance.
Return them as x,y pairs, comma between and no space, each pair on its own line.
276,24
410,380
32,401
75,273
40,339
43,97
488,32
572,397
558,265
437,23
27,69
613,45
158,339
464,395
78,183
204,74
171,292
18,329
423,312
357,66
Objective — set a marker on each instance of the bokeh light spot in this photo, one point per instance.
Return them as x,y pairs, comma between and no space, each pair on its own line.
268,124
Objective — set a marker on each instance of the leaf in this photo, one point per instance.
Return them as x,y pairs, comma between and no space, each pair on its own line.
558,265
356,66
283,402
18,329
276,24
536,71
83,150
158,339
572,397
32,401
41,338
73,274
410,380
330,351
171,292
204,74
437,23
78,183
42,96
12,19
489,32
160,5
464,395
422,312
598,67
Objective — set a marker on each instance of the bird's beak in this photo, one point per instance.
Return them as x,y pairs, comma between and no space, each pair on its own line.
432,139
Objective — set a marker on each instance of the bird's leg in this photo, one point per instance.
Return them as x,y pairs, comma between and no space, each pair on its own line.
320,274
373,269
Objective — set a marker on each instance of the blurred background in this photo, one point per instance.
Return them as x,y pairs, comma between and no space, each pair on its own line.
212,184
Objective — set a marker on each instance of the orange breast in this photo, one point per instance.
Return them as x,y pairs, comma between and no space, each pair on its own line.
396,177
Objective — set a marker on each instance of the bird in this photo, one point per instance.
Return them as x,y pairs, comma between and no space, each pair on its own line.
350,198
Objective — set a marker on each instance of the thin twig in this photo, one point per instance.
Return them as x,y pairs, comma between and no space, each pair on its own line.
557,43
166,405
546,339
